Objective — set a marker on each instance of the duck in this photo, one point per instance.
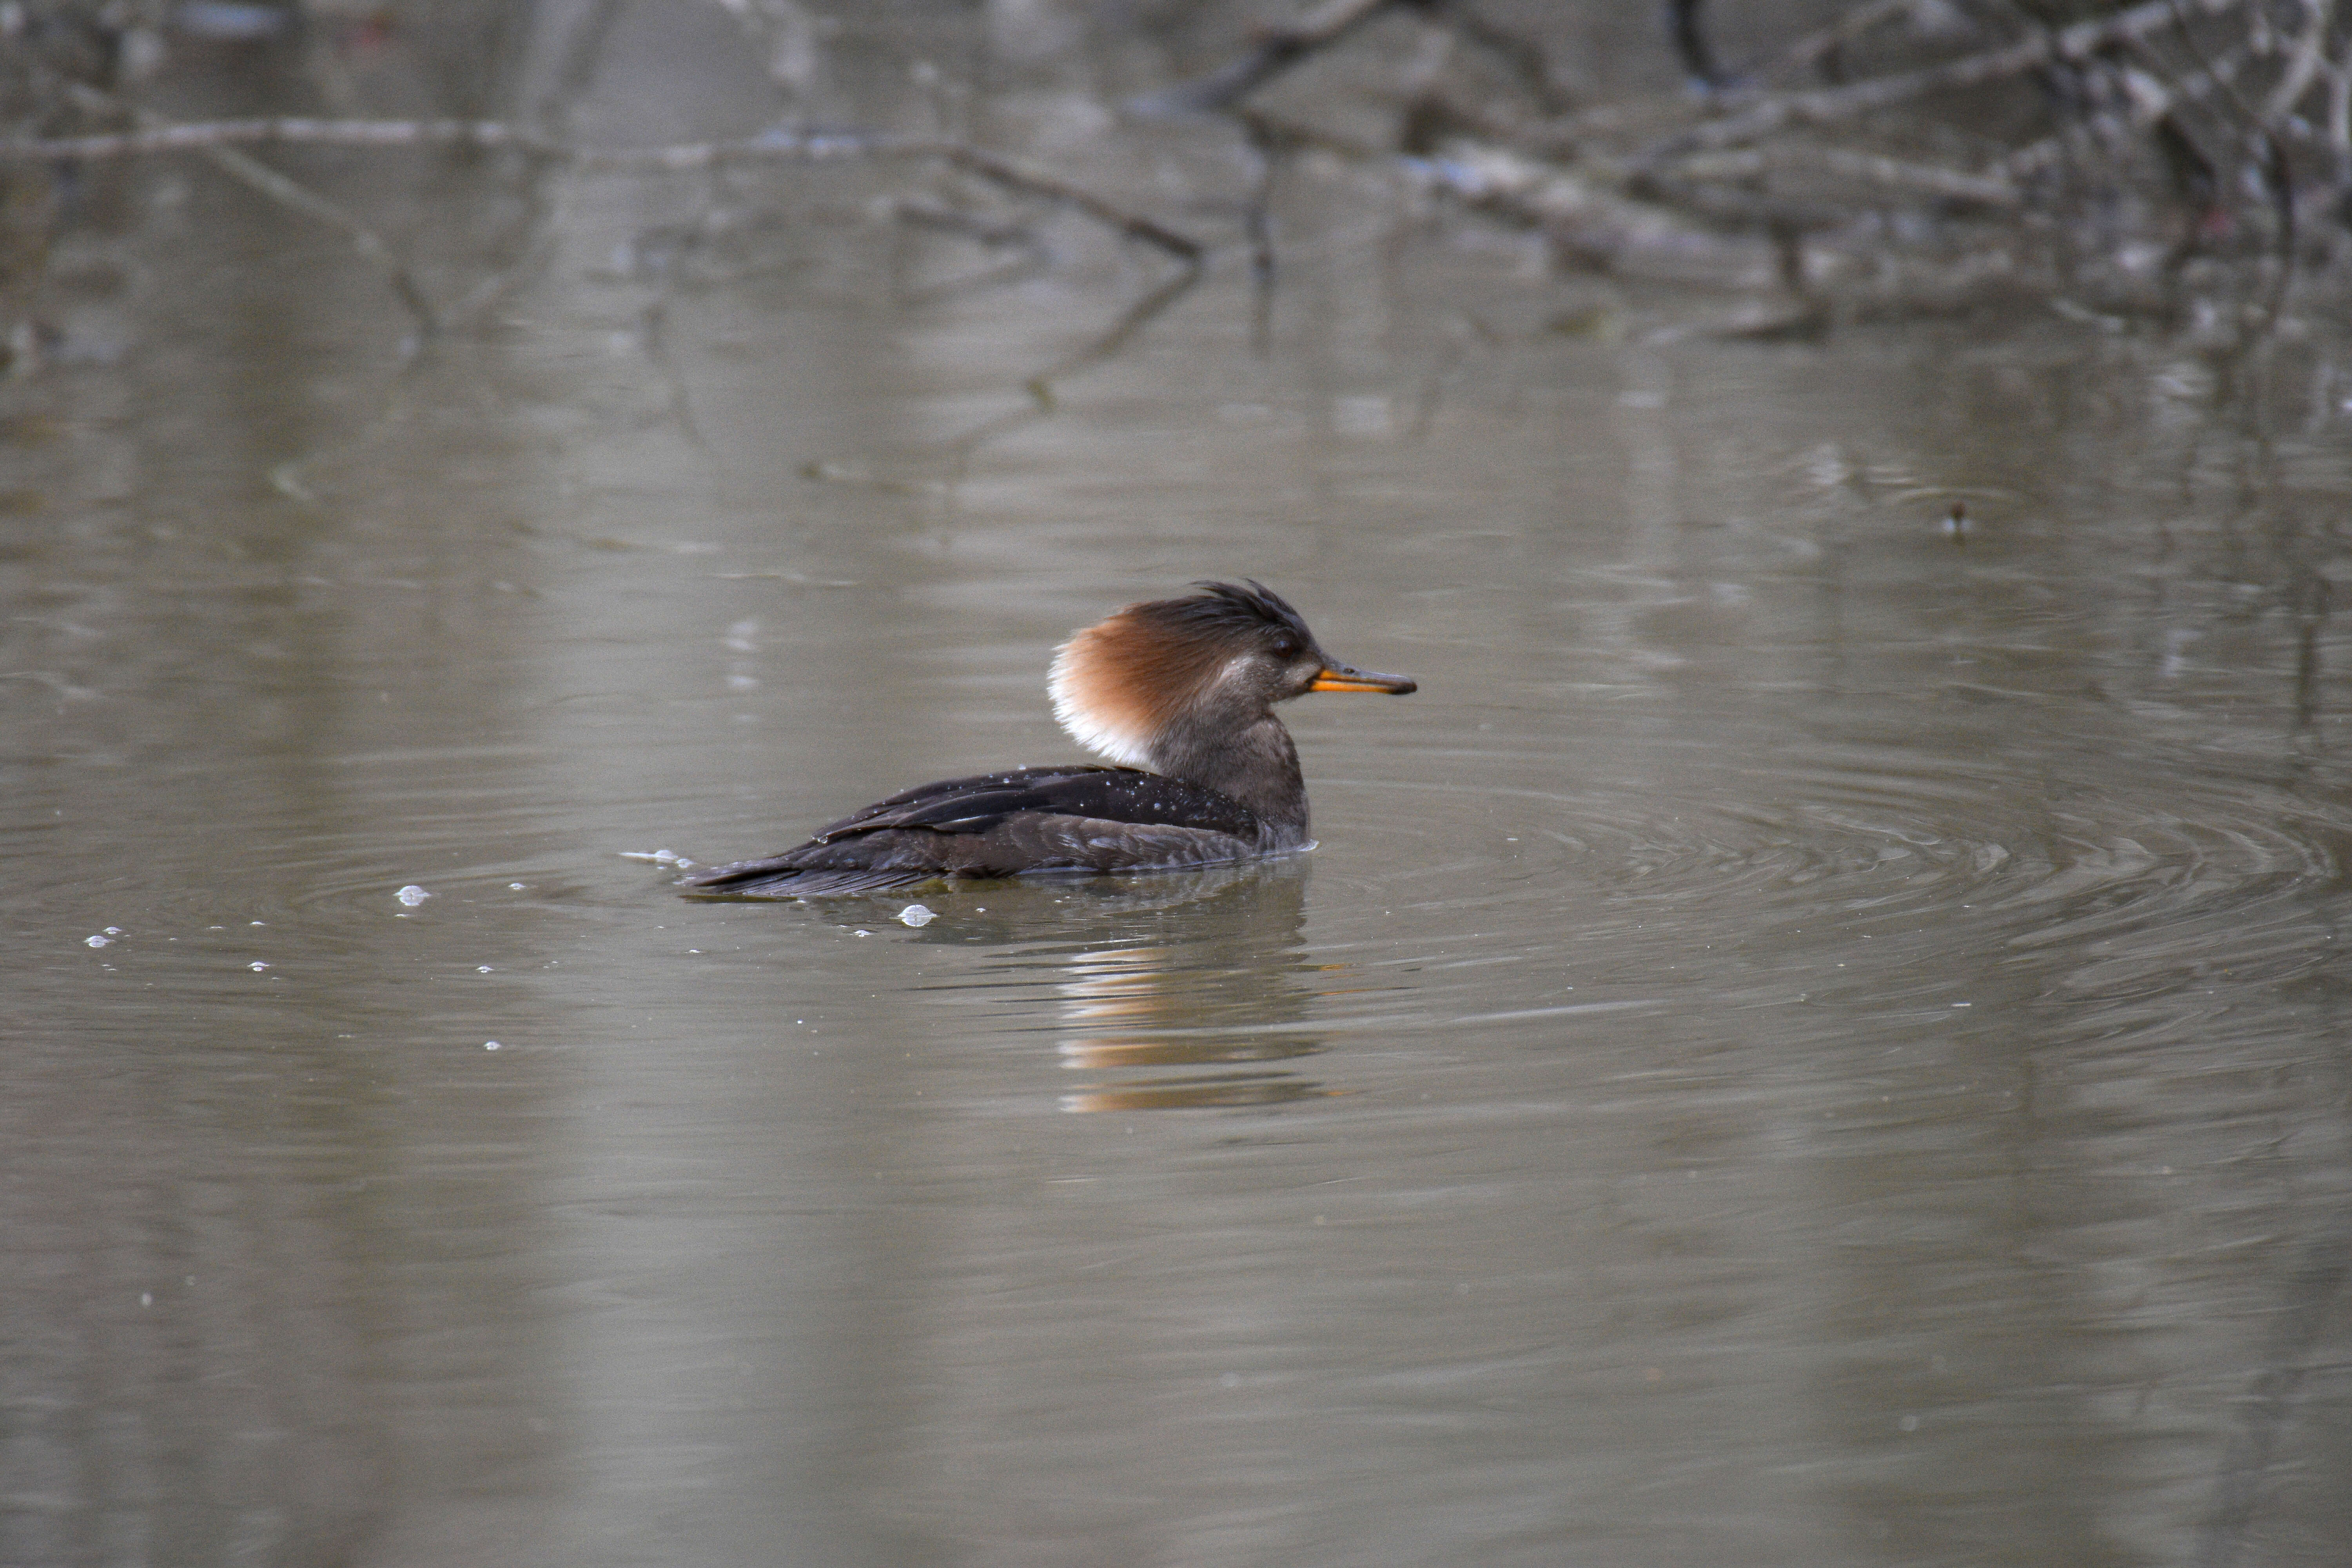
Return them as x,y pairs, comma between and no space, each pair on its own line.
1178,694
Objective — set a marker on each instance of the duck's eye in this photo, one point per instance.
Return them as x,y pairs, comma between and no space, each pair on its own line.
1287,649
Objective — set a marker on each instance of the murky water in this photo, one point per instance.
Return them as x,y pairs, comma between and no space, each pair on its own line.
1808,1041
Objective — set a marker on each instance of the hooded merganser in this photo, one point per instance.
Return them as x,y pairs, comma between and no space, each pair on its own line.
1180,692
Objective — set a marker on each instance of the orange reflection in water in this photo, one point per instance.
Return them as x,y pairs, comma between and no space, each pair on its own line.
1218,989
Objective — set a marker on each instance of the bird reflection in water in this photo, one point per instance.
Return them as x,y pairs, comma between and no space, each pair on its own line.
1189,988
1199,1013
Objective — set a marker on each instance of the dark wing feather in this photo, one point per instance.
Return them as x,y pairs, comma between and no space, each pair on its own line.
998,825
747,880
886,812
1106,794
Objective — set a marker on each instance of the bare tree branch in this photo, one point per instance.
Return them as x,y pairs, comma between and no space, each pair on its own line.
782,145
2309,51
1818,49
1278,51
198,135
1870,169
1828,105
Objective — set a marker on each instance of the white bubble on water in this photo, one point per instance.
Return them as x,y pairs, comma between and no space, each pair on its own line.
915,915
98,940
412,895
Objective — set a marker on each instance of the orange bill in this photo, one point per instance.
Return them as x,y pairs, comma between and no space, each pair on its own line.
1348,677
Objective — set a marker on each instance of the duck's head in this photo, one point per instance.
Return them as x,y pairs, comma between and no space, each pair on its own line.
1216,662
